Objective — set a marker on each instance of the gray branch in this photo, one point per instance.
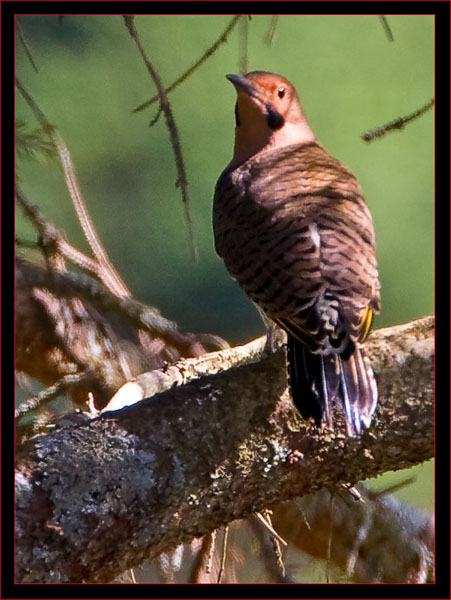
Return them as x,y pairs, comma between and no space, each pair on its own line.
97,496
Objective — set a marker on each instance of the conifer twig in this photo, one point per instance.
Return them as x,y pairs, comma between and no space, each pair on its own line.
397,123
211,50
387,27
271,29
244,44
25,44
182,181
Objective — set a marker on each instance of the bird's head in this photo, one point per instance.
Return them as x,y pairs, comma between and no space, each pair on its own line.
267,113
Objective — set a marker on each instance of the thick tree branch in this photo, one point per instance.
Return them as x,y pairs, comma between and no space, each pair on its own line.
95,498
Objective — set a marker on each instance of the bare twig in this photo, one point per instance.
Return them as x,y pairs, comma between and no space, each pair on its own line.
397,123
51,240
276,546
203,558
395,487
49,394
270,528
360,537
387,27
108,273
269,552
271,30
211,50
25,44
182,181
329,541
352,491
223,553
298,504
48,236
243,44
156,117
211,550
68,284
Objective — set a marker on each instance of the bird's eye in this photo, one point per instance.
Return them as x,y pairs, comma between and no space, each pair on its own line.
281,92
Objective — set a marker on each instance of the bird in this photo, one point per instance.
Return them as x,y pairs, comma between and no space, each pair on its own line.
293,229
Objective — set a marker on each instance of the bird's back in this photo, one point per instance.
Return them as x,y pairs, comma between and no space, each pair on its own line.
291,226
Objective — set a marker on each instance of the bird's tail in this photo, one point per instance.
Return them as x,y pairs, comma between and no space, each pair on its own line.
317,382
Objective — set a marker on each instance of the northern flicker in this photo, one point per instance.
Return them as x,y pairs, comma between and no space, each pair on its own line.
293,229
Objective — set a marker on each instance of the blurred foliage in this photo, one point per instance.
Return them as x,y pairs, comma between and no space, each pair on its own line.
33,144
350,79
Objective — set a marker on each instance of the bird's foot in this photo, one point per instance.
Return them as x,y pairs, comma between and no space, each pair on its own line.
275,338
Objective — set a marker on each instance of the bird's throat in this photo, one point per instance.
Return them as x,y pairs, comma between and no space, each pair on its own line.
252,141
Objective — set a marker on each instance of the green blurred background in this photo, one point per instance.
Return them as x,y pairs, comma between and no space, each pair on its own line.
350,79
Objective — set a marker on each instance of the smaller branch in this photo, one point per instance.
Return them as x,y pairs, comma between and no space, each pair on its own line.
25,44
391,489
22,243
243,44
182,181
387,28
107,272
270,528
203,558
156,117
109,275
51,240
31,211
67,284
48,394
48,236
272,562
352,491
397,123
223,553
211,550
269,35
159,380
329,539
211,50
132,576
79,258
276,548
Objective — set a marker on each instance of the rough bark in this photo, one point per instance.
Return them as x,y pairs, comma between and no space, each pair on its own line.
97,496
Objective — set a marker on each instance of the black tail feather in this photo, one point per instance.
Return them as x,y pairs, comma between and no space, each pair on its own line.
318,381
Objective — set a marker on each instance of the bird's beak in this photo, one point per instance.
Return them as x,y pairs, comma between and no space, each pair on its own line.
275,119
242,84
